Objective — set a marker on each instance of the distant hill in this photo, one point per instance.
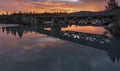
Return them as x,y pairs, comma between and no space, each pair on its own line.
90,13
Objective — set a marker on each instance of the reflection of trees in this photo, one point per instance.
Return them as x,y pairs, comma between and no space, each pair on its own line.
3,29
114,51
14,30
111,46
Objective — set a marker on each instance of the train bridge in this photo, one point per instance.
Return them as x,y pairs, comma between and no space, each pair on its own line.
81,18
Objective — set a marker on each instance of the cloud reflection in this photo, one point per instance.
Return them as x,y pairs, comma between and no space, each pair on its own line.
38,52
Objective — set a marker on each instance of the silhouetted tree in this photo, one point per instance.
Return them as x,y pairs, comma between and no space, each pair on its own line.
112,6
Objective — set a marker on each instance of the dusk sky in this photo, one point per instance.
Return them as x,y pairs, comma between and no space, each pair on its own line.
52,5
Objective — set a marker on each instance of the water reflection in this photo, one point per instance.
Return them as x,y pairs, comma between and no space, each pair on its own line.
87,29
18,30
34,51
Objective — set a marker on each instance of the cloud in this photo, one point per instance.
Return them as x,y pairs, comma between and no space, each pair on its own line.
65,0
52,5
53,0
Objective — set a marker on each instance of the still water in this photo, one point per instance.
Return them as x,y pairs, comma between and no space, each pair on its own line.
87,29
24,49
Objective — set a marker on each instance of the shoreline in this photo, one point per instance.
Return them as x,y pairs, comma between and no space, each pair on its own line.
8,25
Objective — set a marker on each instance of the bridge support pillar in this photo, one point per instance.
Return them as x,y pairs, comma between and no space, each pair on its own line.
55,27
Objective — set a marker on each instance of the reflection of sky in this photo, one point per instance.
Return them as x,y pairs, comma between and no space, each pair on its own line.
37,52
87,29
52,5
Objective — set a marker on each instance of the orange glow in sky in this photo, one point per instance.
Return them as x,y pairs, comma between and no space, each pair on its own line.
41,6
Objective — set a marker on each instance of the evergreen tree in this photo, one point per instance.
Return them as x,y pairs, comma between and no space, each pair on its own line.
112,6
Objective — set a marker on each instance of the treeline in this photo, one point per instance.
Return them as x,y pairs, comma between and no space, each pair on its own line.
26,18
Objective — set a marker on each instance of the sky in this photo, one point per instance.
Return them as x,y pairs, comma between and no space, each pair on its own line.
52,5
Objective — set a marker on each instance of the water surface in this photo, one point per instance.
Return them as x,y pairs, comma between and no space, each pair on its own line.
86,29
23,49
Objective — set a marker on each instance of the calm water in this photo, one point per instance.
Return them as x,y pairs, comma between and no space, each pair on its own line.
86,29
24,49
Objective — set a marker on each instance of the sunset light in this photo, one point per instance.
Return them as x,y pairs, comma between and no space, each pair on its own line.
59,35
41,6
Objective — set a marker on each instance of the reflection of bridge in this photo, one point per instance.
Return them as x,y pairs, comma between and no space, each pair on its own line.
92,40
82,18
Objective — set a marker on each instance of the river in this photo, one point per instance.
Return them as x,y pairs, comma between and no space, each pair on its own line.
26,50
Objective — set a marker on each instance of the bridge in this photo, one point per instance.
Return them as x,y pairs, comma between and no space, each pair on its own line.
81,18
